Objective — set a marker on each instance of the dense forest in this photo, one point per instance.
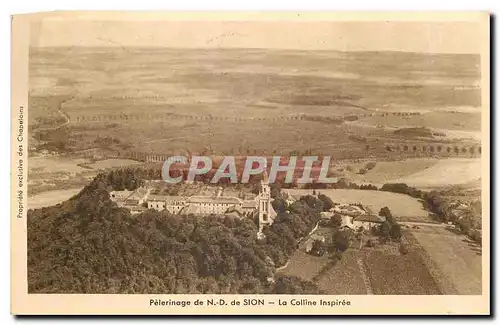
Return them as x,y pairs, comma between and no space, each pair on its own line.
90,245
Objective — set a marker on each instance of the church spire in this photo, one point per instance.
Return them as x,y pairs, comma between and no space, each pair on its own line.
265,178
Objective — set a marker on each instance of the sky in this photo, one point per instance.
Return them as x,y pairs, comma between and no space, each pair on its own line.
430,36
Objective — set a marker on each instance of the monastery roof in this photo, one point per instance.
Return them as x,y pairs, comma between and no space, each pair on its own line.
138,208
211,199
249,204
156,197
139,193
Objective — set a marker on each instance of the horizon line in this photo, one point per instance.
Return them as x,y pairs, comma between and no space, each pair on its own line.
245,48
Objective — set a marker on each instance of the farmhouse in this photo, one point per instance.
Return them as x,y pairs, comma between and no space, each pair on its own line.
309,244
368,221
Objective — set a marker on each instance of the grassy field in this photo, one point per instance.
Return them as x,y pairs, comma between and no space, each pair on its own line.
399,204
453,257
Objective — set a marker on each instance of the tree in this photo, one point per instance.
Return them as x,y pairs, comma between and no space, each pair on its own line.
336,220
403,248
279,205
386,213
395,231
385,230
317,248
370,165
341,240
327,202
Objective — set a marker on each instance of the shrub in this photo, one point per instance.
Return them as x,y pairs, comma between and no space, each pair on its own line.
403,249
370,165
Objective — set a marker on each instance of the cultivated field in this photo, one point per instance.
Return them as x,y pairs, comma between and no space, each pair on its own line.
380,271
456,171
238,99
305,265
385,171
51,198
435,119
454,259
55,164
396,274
52,174
112,163
399,204
345,277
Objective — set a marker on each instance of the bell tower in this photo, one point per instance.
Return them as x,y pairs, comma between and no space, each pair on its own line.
264,202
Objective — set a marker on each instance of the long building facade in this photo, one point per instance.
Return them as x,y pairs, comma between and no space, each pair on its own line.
201,205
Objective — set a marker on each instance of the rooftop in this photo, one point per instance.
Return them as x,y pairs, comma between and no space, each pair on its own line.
155,197
249,204
370,218
211,199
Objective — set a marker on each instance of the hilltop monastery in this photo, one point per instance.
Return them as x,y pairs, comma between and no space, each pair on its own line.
260,206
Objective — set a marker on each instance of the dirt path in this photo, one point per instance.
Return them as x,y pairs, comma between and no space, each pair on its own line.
366,280
63,114
426,224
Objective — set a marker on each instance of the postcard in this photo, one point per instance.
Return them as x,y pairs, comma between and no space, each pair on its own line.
250,163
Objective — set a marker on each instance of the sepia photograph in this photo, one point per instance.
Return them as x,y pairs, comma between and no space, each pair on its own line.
299,161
